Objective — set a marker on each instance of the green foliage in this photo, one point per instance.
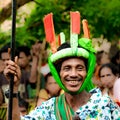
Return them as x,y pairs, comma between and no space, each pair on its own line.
4,38
102,15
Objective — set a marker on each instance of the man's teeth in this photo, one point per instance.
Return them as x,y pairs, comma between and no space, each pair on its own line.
74,81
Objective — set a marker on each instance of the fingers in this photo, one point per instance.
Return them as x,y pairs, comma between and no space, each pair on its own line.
36,49
9,50
16,60
11,67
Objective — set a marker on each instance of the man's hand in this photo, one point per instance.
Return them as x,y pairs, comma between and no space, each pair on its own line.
13,68
36,49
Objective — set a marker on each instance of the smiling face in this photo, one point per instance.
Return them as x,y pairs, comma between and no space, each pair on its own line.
73,73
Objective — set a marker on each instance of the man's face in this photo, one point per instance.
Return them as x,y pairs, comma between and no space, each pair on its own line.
5,56
23,60
73,73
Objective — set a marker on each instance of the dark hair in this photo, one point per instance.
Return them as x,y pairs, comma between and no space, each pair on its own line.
22,102
112,66
5,49
99,56
48,75
24,49
58,63
116,57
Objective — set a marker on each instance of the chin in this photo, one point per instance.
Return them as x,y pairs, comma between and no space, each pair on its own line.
73,89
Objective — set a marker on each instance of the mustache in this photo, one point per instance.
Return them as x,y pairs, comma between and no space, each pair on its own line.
74,79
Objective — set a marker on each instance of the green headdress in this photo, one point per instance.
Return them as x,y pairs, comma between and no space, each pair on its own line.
79,48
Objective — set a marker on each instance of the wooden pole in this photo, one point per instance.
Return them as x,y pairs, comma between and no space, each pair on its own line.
12,58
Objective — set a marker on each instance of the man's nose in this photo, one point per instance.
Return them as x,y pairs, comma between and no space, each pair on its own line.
73,72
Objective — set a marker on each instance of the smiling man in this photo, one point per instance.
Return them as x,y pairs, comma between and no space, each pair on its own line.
72,66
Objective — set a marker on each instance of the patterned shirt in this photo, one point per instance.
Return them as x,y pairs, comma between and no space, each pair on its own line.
98,107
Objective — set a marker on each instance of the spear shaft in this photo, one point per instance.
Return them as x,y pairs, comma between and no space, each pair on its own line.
12,58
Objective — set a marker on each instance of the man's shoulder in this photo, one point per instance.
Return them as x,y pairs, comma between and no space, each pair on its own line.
45,110
95,90
48,102
46,106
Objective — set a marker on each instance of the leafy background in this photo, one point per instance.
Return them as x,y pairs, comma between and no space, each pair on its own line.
103,17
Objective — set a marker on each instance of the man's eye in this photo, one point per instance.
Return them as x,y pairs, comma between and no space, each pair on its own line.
80,68
66,68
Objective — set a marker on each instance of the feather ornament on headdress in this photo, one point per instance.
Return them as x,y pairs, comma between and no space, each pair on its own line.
75,29
86,29
50,32
61,38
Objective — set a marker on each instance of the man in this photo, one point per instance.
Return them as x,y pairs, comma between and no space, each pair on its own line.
72,68
4,56
24,63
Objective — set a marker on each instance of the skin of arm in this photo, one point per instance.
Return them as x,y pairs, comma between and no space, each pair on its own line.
36,48
12,68
33,75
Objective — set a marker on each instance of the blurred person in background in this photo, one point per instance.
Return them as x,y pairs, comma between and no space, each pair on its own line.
24,58
52,89
108,74
101,58
27,62
23,106
4,56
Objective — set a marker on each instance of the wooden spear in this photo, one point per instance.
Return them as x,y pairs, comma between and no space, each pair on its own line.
12,58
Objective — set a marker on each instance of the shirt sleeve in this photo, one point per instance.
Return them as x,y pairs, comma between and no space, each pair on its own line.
115,110
43,112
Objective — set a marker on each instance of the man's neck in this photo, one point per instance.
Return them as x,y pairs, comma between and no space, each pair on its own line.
27,68
76,101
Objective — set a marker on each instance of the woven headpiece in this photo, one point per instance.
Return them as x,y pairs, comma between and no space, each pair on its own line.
78,48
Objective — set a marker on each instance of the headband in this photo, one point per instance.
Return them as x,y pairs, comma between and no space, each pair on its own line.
78,48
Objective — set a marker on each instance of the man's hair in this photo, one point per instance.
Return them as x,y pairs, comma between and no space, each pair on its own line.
48,75
24,49
22,102
5,49
58,63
